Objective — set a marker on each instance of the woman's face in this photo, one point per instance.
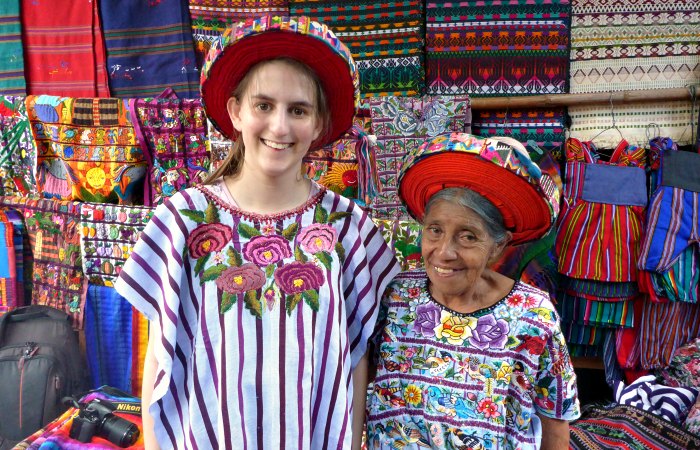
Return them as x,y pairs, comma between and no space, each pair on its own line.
456,249
277,119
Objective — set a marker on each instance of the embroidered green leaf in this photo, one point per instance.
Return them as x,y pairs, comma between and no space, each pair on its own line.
211,214
252,303
299,255
325,259
247,231
291,231
337,216
341,251
450,373
321,216
213,272
270,271
292,302
201,262
311,298
234,258
227,301
418,362
192,214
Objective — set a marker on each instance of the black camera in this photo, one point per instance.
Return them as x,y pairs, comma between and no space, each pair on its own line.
96,418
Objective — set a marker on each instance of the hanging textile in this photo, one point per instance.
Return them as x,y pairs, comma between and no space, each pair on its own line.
22,256
108,234
663,328
54,239
211,17
632,44
17,148
87,150
401,124
385,39
173,136
496,48
149,48
403,237
633,120
11,55
63,48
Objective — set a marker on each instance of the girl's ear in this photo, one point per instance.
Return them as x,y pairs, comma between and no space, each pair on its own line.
233,106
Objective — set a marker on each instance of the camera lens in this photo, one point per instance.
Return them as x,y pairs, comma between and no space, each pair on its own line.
119,431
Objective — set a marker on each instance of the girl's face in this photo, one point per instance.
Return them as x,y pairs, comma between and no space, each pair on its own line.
277,120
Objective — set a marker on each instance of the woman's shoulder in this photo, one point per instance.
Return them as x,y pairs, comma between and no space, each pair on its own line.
534,303
409,279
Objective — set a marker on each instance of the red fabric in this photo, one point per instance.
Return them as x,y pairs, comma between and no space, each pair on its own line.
63,48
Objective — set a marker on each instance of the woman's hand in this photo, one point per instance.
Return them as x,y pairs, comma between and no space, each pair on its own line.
359,401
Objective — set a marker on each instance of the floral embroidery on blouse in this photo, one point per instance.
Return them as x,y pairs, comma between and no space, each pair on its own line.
272,267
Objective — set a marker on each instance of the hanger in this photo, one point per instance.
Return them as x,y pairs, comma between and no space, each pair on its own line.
652,131
613,125
692,88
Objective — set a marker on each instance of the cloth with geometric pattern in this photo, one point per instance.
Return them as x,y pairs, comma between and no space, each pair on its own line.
401,124
491,48
634,44
211,17
385,39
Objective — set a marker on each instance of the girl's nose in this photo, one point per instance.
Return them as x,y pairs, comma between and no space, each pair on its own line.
279,122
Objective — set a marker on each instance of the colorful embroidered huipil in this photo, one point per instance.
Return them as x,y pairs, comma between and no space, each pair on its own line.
477,380
8,271
87,150
149,48
497,48
385,39
17,148
173,136
211,17
262,318
11,54
63,47
22,258
401,124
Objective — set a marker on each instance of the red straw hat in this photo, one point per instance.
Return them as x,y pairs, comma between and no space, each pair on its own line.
500,169
248,43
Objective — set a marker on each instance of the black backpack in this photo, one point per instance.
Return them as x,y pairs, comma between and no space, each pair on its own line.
40,363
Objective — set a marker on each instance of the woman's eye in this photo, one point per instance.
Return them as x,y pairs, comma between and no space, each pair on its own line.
468,237
263,106
298,111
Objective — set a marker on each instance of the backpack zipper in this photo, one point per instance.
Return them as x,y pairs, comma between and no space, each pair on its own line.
30,349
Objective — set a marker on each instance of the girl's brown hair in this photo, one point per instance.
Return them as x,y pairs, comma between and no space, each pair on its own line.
233,162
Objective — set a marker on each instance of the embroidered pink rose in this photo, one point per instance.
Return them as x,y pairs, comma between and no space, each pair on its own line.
236,280
489,332
266,250
298,277
207,238
317,237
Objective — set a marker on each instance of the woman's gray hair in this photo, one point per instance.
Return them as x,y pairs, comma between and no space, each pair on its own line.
483,207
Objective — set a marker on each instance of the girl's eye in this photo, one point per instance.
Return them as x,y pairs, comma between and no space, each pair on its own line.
298,111
263,106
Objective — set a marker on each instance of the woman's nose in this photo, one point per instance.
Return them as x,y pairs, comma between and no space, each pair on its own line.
447,248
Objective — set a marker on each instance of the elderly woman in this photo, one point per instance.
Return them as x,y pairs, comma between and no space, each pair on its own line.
468,358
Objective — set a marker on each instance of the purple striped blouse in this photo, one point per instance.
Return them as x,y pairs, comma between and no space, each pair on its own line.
262,319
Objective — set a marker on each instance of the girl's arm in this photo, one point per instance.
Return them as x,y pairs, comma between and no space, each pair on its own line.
149,377
359,386
555,433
